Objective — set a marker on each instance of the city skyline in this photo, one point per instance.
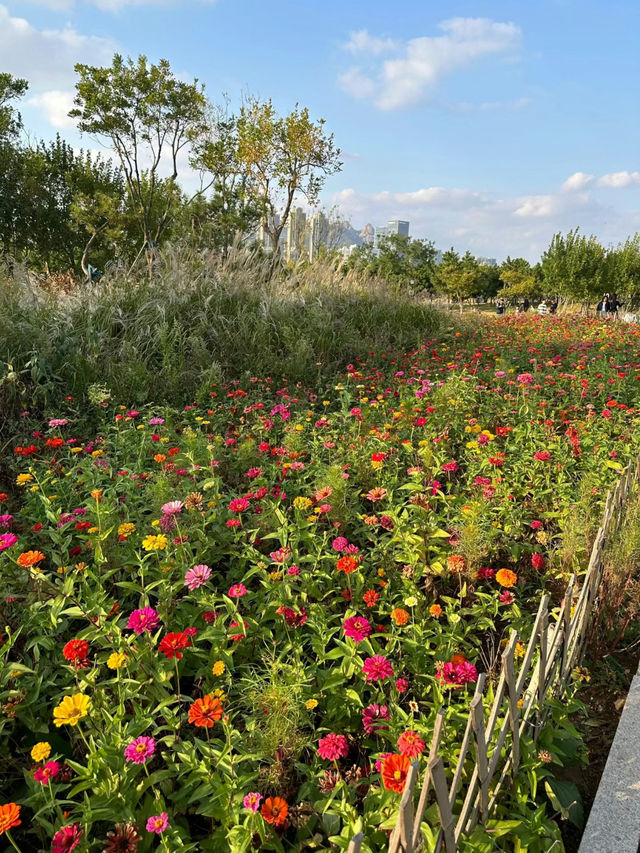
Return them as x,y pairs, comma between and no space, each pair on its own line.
474,122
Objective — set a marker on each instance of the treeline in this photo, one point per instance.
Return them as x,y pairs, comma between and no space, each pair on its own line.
65,209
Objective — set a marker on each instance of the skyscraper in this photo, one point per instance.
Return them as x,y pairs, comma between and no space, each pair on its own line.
393,226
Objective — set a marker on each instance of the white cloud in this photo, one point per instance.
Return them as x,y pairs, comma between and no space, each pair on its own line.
46,57
487,224
577,181
55,105
619,179
412,75
362,42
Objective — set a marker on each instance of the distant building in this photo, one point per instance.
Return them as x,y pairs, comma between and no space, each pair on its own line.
296,235
393,226
318,227
488,262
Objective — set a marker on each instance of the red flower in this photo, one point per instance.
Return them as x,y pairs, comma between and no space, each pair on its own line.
371,598
171,644
411,744
347,565
75,650
538,561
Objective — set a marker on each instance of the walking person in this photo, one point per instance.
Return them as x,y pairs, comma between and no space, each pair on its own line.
542,309
603,307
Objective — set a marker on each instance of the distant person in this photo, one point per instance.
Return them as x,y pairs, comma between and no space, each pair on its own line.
614,305
542,309
525,305
603,307
553,307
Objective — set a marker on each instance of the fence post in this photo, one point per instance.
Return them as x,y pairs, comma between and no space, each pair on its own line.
436,771
433,751
355,845
477,722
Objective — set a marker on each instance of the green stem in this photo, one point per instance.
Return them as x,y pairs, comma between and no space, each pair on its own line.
13,843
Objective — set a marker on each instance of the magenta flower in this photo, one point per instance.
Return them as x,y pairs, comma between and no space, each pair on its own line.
357,628
197,576
58,422
252,801
402,685
450,466
140,749
5,520
377,668
525,378
380,761
48,771
339,543
237,590
172,508
158,823
294,571
332,747
371,716
156,421
144,619
66,839
7,540
238,505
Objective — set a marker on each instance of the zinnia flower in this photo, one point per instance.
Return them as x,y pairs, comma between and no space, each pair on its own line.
238,505
140,749
332,746
172,508
29,559
158,823
237,590
116,660
377,668
205,712
7,540
506,578
371,715
356,628
172,642
41,751
9,817
538,561
411,744
75,650
66,839
347,564
399,616
197,576
144,619
48,771
123,839
71,710
252,801
394,772
274,810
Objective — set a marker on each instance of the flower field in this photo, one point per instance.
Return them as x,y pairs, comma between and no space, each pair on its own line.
230,627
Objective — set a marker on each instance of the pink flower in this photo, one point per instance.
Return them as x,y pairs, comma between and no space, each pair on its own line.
144,619
156,421
339,543
357,628
140,749
525,378
402,685
507,597
377,668
542,455
252,801
411,744
49,771
381,760
237,590
5,520
538,561
450,467
158,823
252,473
456,674
197,576
293,570
58,422
172,508
486,573
370,716
536,525
66,839
7,540
332,747
238,505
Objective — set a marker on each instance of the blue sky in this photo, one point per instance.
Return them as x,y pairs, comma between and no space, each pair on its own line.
489,125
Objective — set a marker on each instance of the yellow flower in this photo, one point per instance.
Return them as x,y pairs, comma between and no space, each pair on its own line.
310,704
93,530
381,573
155,543
96,494
411,601
71,710
126,529
301,503
299,427
519,650
23,479
218,667
116,660
41,751
96,453
76,450
219,694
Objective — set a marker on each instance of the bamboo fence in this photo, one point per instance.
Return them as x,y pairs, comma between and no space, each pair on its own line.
555,647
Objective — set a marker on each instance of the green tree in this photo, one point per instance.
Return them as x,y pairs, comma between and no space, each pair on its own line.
460,278
283,157
11,88
519,279
148,116
574,267
622,266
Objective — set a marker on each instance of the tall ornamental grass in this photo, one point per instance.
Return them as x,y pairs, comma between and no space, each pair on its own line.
195,322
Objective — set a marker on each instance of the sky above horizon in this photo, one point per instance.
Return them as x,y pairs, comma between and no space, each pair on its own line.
488,125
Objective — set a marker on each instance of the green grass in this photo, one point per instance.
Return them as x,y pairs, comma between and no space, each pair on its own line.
195,323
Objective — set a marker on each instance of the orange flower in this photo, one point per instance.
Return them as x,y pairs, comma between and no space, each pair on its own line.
436,611
275,810
9,817
394,772
455,564
205,712
400,616
347,565
506,577
160,457
456,660
30,558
